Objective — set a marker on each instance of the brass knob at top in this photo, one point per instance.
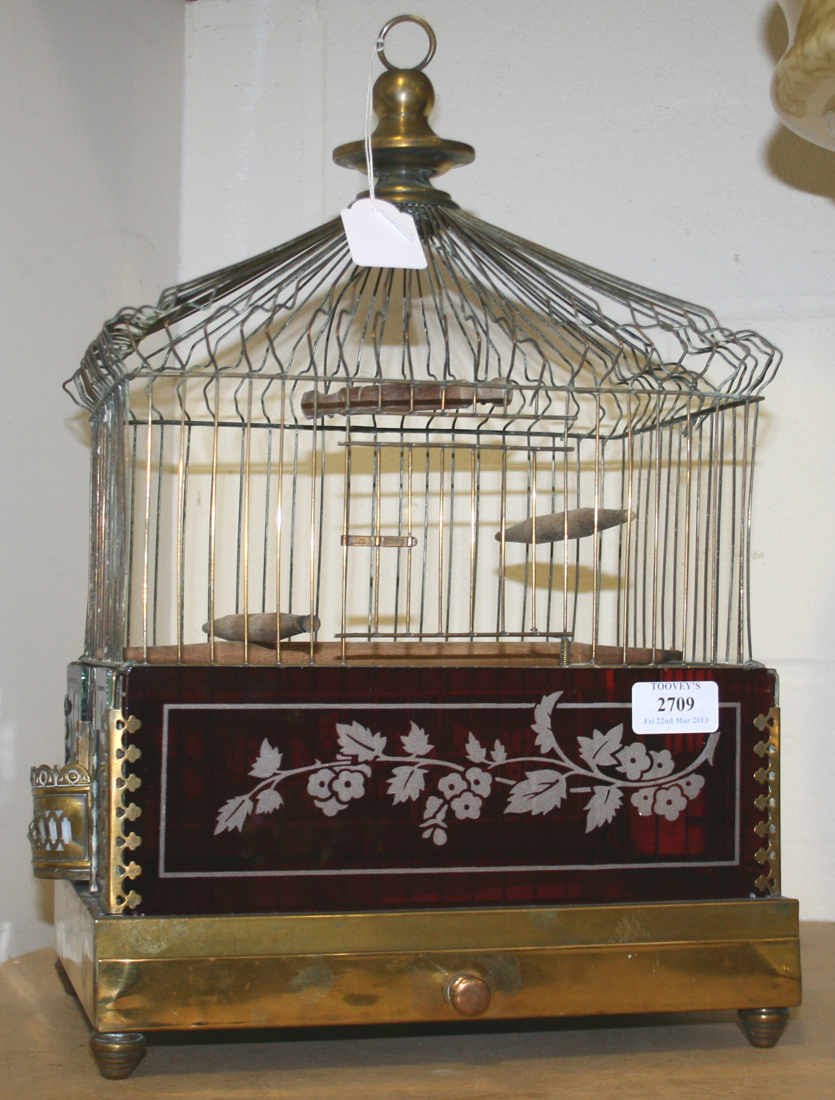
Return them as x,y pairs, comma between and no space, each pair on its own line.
406,151
468,994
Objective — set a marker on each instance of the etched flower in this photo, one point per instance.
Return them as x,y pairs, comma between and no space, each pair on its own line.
319,783
348,785
332,790
633,760
642,800
479,781
669,802
331,807
691,784
662,764
466,805
451,785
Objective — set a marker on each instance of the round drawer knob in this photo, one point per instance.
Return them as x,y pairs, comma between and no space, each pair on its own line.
468,994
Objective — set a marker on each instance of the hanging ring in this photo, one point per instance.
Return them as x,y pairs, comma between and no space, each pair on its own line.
381,40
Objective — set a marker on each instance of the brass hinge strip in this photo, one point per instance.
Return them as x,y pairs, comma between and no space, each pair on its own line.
768,802
122,869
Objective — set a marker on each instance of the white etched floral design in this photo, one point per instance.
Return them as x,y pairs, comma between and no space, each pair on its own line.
604,767
669,802
332,791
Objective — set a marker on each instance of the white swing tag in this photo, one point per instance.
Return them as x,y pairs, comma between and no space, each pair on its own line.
677,706
381,235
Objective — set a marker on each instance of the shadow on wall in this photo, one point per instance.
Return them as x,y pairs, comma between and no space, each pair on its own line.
790,158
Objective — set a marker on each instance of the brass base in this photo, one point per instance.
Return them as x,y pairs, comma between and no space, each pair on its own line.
135,974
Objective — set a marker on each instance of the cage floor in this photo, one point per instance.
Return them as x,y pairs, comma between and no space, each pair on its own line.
396,653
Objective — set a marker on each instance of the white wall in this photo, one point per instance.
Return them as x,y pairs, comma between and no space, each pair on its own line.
636,136
90,130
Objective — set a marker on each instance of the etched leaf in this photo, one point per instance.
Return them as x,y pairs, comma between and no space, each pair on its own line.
268,801
602,806
475,750
233,814
416,743
268,762
435,810
539,793
498,753
356,740
406,783
710,747
433,804
600,747
545,739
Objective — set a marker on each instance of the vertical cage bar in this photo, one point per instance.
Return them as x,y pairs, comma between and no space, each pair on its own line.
595,607
346,524
378,490
733,552
213,518
630,469
130,493
245,533
500,610
451,526
656,532
751,467
424,559
314,441
700,531
441,479
146,533
533,466
688,493
473,536
409,525
268,480
182,394
279,518
399,559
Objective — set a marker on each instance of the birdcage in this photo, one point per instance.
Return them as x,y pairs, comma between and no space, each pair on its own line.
379,558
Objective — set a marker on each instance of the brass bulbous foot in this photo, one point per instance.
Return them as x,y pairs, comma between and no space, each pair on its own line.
117,1054
763,1026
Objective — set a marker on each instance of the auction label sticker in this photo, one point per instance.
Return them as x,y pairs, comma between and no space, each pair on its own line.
675,706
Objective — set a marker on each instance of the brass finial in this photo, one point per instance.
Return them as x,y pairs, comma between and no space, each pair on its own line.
406,151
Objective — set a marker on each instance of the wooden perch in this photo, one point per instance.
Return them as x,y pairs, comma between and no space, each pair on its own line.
553,528
402,397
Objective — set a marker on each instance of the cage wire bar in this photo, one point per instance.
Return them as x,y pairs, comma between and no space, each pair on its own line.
297,433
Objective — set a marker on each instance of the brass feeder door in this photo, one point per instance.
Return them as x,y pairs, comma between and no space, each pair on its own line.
320,788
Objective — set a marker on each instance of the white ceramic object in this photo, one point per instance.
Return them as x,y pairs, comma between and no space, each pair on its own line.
803,89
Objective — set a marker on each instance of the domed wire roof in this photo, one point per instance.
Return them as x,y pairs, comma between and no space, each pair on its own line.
490,306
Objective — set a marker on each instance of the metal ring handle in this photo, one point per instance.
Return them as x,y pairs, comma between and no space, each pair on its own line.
381,40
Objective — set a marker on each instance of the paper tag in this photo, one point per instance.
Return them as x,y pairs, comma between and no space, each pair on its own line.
382,235
675,706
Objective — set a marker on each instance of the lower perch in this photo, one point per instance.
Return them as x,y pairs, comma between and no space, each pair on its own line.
261,629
